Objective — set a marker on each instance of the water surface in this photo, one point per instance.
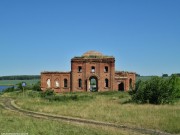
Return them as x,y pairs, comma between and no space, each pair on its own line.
3,87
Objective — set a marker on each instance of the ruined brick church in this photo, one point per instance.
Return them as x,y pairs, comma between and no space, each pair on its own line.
92,71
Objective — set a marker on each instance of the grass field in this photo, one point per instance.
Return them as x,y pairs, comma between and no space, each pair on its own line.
108,107
14,82
11,122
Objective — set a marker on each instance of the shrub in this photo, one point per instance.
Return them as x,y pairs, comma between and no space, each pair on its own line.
165,75
37,86
48,92
10,89
65,98
20,87
34,94
156,90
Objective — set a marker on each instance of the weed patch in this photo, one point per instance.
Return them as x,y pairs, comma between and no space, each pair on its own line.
66,98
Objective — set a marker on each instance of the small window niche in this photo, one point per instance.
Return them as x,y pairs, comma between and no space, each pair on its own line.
65,83
79,69
106,69
106,83
92,69
80,83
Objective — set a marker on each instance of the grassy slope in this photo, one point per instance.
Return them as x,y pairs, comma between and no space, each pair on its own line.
109,107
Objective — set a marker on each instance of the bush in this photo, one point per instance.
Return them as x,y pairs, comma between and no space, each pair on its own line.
20,87
165,75
47,93
10,89
37,86
65,98
156,90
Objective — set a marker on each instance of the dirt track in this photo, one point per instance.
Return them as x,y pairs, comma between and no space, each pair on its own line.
9,104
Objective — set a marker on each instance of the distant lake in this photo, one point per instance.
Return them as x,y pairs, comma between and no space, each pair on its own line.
2,87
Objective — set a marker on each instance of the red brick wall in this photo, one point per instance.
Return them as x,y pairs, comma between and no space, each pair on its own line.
86,73
125,78
56,76
114,78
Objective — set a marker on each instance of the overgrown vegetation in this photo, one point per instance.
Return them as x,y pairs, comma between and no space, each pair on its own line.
16,123
49,94
112,106
103,106
157,90
10,89
37,86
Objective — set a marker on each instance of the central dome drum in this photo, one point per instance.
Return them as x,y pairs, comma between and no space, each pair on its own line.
92,53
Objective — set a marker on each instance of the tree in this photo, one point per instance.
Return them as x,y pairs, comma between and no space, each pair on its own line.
156,90
138,75
165,75
37,86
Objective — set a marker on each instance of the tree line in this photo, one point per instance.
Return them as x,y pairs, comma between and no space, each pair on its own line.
20,77
163,75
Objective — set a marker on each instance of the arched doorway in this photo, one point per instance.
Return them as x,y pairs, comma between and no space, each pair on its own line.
93,84
121,86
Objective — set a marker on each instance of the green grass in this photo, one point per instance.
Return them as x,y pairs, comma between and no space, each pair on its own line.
14,82
108,107
11,122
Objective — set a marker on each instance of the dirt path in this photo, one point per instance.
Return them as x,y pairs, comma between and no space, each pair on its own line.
9,104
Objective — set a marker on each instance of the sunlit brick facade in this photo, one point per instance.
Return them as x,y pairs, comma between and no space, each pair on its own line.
92,71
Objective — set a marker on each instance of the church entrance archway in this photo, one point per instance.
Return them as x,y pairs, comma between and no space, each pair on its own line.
93,84
121,86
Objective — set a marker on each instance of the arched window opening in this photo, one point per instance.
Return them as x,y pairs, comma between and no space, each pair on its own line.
56,83
106,83
79,69
130,84
48,83
106,69
80,83
92,69
65,83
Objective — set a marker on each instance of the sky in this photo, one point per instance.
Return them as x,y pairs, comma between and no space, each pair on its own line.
43,35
